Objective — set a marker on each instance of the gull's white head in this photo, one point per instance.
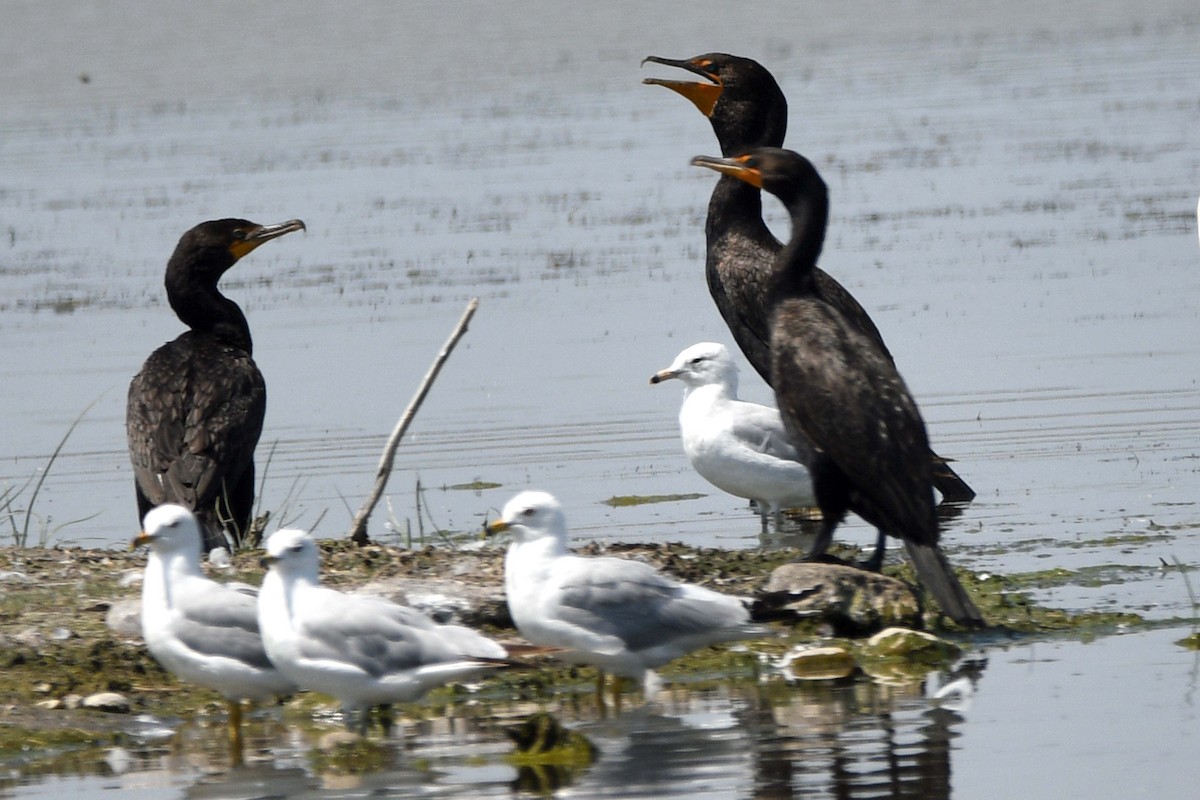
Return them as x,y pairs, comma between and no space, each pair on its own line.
531,515
702,364
170,529
292,552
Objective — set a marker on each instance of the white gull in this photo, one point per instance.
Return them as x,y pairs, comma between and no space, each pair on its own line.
618,615
202,631
737,446
364,651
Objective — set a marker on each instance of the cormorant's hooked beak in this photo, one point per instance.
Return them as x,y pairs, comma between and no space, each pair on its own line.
703,95
738,166
262,234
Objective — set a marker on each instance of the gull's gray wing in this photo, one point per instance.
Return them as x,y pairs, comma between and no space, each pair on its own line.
760,428
629,600
216,620
375,636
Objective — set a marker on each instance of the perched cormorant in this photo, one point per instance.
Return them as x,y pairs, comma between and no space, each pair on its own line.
747,109
837,390
195,410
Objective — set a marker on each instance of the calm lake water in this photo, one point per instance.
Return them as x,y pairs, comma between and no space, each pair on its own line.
1014,195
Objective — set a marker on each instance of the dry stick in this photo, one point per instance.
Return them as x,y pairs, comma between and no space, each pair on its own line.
358,527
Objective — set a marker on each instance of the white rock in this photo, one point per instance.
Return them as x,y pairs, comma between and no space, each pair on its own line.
107,701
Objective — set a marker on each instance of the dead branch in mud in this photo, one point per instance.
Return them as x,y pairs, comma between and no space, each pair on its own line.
358,527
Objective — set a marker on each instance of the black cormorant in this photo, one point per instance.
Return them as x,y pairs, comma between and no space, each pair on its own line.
842,393
747,109
195,410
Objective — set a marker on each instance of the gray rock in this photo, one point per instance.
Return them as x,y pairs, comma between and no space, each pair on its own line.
853,600
335,740
130,577
124,617
446,600
29,637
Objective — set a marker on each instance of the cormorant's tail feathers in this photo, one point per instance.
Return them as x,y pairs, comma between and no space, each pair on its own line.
935,572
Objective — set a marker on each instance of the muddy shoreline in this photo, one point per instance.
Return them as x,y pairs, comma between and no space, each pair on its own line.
68,624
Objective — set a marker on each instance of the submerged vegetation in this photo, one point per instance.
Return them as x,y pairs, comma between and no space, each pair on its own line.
623,501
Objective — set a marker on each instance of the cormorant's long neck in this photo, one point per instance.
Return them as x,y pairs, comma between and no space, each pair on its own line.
736,209
736,206
794,267
205,310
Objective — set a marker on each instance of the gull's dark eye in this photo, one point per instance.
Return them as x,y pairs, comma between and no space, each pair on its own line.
529,512
296,548
698,360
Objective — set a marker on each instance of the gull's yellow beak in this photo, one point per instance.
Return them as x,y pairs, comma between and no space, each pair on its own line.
141,539
495,526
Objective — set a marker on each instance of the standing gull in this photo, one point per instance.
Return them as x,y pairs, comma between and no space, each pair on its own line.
195,410
737,446
842,394
364,651
201,631
619,616
747,109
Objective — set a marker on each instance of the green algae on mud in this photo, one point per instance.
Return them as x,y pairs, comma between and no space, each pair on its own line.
625,501
1190,642
474,486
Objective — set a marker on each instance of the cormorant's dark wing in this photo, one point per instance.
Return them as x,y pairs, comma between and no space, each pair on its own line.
193,418
828,289
848,399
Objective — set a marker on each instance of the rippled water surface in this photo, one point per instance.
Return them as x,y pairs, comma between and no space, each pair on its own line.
1014,196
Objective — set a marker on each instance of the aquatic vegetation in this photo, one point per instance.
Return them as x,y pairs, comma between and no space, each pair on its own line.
622,501
20,519
548,754
474,486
